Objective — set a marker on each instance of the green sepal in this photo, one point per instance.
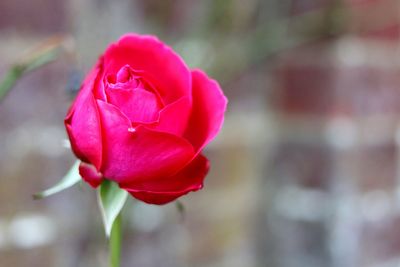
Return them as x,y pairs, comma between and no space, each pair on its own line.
71,178
111,199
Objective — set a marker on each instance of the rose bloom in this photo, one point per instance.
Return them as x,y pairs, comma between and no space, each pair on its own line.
142,118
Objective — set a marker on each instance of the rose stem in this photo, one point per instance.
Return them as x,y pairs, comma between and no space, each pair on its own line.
115,242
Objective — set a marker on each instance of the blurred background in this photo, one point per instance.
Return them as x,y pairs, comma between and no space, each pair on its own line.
306,172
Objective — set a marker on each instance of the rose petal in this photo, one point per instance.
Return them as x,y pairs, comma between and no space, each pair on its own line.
209,105
83,125
90,174
140,153
124,79
162,191
138,105
95,76
124,74
158,63
174,117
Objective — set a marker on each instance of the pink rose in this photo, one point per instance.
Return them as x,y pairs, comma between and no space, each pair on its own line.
142,118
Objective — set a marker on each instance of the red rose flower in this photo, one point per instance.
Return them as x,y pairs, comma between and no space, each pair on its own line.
142,118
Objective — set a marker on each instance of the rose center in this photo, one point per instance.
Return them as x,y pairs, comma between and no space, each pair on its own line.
132,96
124,79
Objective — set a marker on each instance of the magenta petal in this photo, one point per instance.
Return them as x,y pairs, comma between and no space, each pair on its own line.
94,78
138,105
158,63
209,105
83,126
124,74
162,191
90,174
174,117
140,153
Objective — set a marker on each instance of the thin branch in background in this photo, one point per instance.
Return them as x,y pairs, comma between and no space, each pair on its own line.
45,53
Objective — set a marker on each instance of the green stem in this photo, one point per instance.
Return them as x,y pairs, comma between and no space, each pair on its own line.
115,242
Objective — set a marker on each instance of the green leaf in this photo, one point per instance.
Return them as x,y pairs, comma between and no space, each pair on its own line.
70,179
111,200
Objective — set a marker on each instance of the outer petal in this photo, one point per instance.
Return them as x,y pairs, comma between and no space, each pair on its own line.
160,65
209,105
138,154
162,191
90,174
174,117
83,124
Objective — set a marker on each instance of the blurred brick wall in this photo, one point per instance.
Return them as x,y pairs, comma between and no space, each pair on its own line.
35,17
336,161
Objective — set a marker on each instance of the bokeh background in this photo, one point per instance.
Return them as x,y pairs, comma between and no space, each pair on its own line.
305,173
